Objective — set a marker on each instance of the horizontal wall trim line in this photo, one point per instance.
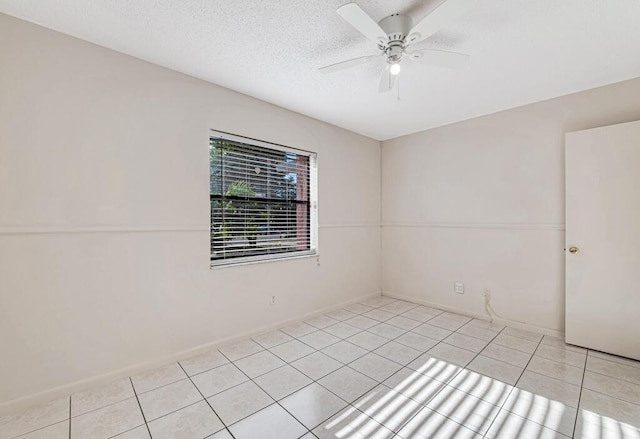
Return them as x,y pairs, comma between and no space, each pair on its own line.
33,230
478,225
346,225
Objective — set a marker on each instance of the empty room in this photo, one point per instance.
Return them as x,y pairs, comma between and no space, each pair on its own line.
319,219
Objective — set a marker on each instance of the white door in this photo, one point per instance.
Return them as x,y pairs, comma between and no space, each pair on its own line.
603,239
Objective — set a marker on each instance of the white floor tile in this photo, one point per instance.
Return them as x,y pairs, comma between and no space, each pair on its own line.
550,388
259,364
508,425
361,322
271,339
416,341
466,342
445,323
313,405
102,396
612,387
272,422
613,369
403,323
378,314
553,369
521,333
159,377
556,342
299,329
398,352
344,352
388,407
375,367
496,369
416,314
108,421
351,423
55,431
562,355
347,383
340,315
414,385
282,382
398,307
387,331
194,421
319,339
203,362
167,399
292,350
367,340
477,331
321,322
615,358
474,413
428,424
452,354
433,367
137,433
607,416
240,349
519,344
316,365
342,330
457,317
34,418
239,402
431,331
222,434
488,389
219,379
508,355
544,411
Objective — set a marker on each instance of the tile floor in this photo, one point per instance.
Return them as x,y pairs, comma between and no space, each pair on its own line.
379,369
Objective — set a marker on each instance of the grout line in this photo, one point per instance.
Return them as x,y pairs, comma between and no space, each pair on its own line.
584,372
513,387
144,418
205,400
70,396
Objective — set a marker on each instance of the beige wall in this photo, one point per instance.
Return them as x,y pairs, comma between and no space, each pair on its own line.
482,202
104,257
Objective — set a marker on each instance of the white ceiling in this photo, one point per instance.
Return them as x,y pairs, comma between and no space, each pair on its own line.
522,51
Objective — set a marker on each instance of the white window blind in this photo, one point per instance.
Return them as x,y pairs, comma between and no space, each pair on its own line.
263,200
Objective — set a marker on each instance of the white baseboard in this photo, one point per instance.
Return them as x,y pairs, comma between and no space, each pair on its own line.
481,316
17,405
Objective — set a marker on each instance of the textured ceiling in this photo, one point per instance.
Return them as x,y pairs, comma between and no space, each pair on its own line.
521,51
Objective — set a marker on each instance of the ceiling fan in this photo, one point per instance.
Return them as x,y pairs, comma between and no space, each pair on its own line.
395,34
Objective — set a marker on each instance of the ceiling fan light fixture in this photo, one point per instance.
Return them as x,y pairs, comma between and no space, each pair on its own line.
395,68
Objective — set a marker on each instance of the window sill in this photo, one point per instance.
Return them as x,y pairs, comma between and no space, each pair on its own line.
305,255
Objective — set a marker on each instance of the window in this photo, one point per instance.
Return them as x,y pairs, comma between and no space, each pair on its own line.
263,200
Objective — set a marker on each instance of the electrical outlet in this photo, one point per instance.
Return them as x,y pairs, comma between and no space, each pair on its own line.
458,287
273,300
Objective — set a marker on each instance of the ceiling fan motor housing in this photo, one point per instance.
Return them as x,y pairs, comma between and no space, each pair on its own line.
397,27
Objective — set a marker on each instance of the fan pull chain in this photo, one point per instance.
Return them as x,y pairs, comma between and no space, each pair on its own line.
398,98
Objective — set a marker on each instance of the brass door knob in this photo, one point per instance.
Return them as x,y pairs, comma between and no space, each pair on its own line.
573,249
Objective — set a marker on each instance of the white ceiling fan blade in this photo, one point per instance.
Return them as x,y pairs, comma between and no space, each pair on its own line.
362,22
346,64
440,58
386,80
443,16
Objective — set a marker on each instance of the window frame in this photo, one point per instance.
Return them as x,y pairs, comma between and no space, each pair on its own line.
313,250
